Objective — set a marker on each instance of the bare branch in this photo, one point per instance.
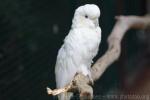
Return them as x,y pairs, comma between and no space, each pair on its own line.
80,82
123,24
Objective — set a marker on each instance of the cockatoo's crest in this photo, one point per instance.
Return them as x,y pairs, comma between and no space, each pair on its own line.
86,15
90,10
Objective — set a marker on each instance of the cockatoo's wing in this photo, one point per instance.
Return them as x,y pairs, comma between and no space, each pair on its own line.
64,69
76,54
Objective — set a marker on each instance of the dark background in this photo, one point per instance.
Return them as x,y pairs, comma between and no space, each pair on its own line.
32,31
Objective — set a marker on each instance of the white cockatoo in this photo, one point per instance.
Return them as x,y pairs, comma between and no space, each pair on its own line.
80,47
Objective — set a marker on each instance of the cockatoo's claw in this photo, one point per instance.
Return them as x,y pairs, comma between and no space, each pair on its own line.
91,80
49,91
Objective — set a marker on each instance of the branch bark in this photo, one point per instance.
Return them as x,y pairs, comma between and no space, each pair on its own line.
80,82
123,24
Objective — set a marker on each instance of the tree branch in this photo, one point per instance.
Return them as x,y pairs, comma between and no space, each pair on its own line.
123,24
80,82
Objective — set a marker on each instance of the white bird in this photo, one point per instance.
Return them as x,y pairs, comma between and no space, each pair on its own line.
80,47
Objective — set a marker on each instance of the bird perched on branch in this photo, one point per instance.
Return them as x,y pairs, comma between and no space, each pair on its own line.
80,47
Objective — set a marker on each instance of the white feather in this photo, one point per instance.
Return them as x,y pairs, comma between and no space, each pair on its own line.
80,46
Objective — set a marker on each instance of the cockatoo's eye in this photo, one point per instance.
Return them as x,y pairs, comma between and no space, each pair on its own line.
86,16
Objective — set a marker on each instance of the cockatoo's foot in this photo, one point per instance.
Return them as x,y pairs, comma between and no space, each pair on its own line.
91,80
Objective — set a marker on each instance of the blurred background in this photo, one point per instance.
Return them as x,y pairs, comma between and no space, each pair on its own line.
32,31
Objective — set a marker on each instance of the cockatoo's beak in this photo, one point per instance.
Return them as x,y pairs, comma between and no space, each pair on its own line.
96,22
